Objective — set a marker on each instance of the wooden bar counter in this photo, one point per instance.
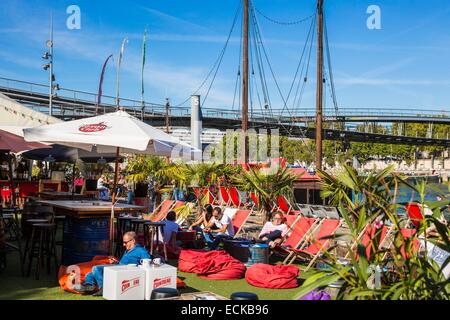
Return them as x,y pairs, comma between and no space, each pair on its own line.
86,227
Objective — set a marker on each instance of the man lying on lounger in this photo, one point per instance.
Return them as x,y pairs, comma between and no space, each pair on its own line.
134,252
223,229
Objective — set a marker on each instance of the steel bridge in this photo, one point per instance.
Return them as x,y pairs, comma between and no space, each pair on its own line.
72,104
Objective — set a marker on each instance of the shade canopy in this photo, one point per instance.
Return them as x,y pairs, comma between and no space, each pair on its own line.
13,143
109,131
68,154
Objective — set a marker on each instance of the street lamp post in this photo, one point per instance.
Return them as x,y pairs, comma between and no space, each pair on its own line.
49,56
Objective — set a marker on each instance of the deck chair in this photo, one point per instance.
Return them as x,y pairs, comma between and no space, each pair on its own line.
365,237
235,198
314,245
161,211
239,219
182,214
285,206
254,199
225,198
299,228
407,233
414,213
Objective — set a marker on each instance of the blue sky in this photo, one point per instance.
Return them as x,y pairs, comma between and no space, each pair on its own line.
403,65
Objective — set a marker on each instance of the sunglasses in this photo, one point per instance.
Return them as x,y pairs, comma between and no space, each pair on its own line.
125,242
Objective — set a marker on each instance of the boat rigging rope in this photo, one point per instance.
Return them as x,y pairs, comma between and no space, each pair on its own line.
285,23
218,61
330,71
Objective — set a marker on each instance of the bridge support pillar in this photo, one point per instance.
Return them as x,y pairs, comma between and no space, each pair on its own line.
196,122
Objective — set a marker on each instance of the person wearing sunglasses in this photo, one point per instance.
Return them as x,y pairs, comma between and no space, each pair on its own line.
133,254
273,231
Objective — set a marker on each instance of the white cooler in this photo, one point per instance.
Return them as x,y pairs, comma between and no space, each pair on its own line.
158,277
123,283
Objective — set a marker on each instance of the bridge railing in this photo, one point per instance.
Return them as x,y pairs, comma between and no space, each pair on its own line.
82,102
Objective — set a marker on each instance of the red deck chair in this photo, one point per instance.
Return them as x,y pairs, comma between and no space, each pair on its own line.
366,236
225,197
162,210
284,206
415,213
299,228
254,199
239,219
317,243
409,233
235,199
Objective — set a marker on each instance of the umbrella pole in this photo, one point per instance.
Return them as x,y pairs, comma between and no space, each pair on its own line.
111,228
11,180
73,180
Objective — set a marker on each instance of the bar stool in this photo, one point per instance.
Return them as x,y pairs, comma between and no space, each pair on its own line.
123,225
43,247
137,225
152,230
59,220
28,236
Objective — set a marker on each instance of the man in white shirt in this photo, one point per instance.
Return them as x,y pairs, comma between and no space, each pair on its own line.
223,229
104,191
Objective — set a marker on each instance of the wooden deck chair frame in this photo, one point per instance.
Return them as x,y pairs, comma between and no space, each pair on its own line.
361,234
155,212
392,242
317,223
313,258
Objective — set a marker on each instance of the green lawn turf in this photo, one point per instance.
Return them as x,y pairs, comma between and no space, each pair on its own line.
14,286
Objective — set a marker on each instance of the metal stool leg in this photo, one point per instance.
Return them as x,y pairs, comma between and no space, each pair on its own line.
31,252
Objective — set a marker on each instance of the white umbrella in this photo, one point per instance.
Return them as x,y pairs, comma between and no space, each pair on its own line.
113,132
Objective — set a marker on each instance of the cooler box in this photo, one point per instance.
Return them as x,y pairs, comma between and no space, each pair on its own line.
158,277
123,283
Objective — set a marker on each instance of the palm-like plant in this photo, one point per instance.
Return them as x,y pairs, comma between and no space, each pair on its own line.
402,271
203,175
145,168
267,184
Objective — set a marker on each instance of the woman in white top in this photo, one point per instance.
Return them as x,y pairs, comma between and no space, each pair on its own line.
274,231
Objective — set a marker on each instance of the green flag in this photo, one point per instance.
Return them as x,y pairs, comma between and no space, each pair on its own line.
143,62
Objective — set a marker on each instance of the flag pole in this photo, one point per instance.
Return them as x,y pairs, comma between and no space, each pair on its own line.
122,47
142,73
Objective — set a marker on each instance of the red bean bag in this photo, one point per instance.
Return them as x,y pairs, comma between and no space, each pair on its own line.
219,265
272,277
216,264
188,260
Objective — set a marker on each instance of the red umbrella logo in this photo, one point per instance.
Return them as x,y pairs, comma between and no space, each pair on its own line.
94,127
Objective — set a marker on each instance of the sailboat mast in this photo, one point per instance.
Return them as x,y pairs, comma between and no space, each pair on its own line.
245,83
319,92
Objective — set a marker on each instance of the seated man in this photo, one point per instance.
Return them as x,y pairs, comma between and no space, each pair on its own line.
272,233
102,188
170,231
224,229
133,254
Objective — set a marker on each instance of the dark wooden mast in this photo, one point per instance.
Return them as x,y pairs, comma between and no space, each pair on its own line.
319,93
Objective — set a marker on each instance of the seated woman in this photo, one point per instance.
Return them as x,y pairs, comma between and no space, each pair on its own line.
273,232
203,219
